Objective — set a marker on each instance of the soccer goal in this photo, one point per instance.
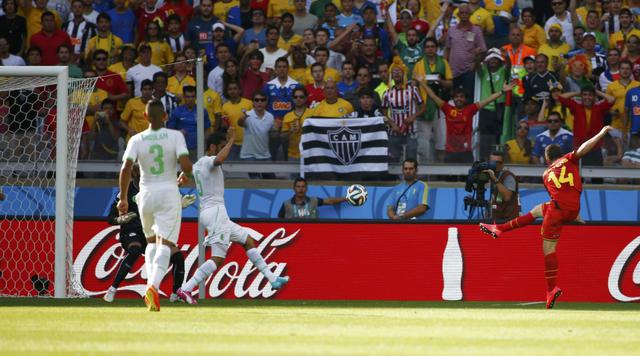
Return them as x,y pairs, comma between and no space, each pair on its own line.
41,125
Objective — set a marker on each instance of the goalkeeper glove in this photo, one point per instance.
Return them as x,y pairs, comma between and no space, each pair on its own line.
123,219
188,200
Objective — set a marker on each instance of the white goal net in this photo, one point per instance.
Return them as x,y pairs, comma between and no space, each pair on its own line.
42,121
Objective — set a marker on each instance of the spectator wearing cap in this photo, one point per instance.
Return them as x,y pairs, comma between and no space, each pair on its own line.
104,40
302,19
529,67
372,29
480,17
533,35
518,150
410,49
220,38
554,134
143,70
123,21
555,49
256,36
438,74
463,44
145,13
588,118
493,74
618,89
49,39
537,85
613,69
199,32
561,17
597,60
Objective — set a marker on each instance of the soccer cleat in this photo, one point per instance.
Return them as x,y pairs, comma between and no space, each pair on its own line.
174,298
552,296
279,282
490,229
108,297
152,299
186,297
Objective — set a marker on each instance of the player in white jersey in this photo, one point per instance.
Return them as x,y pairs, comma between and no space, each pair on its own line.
158,150
221,231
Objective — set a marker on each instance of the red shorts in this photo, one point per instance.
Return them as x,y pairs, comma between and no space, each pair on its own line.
553,218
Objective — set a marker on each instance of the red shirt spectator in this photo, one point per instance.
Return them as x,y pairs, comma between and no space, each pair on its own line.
252,81
260,4
49,39
315,94
587,122
180,8
112,83
459,127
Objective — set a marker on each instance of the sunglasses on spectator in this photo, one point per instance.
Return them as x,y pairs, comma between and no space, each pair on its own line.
260,100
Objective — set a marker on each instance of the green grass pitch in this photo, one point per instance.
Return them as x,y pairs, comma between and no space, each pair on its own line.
268,327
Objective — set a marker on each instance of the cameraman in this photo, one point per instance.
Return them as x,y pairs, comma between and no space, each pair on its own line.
505,202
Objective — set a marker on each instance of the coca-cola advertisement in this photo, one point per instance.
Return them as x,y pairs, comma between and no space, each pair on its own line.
386,261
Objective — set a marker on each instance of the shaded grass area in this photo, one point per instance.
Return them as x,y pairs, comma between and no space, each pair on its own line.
266,327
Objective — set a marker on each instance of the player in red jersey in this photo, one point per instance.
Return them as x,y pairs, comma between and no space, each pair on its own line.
563,182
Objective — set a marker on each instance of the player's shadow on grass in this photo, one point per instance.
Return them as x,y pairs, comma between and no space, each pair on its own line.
331,304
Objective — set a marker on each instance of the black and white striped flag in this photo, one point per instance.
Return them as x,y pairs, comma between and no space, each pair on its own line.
344,148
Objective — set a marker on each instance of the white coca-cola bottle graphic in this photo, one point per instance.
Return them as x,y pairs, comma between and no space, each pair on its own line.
452,267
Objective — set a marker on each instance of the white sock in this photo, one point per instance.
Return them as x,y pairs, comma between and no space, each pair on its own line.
202,273
160,265
261,265
149,254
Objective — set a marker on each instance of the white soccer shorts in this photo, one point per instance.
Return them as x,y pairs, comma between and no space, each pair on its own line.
221,231
161,212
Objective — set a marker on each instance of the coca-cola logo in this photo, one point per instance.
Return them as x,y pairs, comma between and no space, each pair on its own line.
625,260
97,263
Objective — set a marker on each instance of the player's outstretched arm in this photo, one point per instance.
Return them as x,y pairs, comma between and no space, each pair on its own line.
124,180
226,150
588,145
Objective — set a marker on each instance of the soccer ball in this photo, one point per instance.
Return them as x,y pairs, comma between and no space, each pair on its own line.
356,195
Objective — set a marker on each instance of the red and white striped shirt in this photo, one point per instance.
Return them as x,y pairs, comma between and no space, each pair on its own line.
402,102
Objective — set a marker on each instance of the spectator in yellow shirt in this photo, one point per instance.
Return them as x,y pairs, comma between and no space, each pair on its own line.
619,38
332,106
322,57
532,34
232,111
213,105
104,40
33,15
180,79
132,118
292,123
555,49
277,8
288,38
618,89
221,8
127,60
161,53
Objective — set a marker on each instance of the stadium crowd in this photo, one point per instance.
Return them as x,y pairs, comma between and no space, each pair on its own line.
536,72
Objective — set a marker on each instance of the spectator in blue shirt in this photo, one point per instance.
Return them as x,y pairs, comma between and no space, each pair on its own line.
257,33
555,134
632,108
408,200
183,118
123,21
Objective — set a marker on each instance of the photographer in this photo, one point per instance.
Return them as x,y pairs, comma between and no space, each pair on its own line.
505,202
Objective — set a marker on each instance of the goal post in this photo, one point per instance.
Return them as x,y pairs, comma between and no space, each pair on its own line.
40,88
